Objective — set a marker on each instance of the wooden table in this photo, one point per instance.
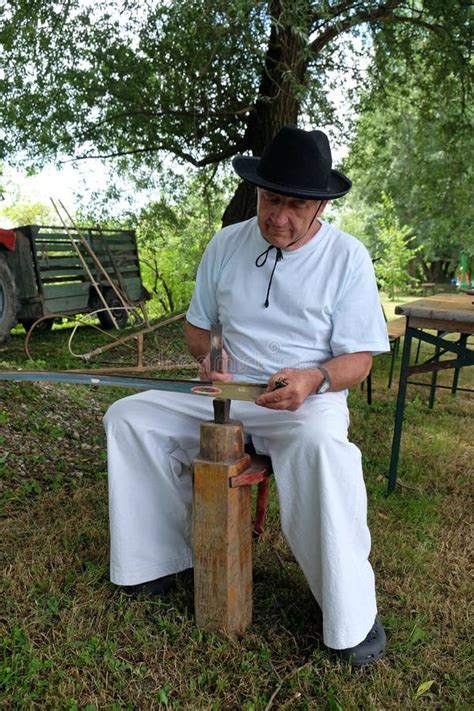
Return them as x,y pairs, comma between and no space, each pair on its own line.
443,313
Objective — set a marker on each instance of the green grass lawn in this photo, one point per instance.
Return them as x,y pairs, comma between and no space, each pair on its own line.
70,640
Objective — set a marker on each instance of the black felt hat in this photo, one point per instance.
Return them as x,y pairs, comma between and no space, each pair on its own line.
296,163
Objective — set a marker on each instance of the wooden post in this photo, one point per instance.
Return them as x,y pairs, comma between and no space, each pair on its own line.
222,527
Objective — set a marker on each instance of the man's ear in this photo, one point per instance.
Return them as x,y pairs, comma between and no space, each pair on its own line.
322,207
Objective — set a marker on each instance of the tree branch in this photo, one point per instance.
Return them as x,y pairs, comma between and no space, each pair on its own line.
234,117
418,22
380,13
240,146
333,11
180,114
384,12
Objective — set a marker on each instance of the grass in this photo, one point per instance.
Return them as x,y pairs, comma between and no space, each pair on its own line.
70,640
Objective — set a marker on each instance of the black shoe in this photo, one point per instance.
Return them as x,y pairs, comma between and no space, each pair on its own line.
367,651
160,586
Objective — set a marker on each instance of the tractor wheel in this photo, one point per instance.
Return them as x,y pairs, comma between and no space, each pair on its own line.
8,300
120,314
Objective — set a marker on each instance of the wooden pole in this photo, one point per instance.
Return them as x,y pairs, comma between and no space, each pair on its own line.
95,258
85,267
222,528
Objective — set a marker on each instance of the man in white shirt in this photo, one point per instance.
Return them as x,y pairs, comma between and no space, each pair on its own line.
299,306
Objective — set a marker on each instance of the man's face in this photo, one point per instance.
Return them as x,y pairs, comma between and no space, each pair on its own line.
282,219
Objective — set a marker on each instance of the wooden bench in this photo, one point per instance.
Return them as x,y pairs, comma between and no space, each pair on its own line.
428,287
395,330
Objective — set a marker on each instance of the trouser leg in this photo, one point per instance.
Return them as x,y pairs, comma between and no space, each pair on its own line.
152,439
323,509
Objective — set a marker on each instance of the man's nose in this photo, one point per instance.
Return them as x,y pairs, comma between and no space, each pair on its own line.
279,215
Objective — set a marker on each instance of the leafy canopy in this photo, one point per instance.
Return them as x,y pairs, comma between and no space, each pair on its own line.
414,142
130,78
202,79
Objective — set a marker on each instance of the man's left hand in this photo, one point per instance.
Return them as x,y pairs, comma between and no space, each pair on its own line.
289,388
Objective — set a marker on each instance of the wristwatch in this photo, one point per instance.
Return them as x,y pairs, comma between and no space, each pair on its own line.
325,383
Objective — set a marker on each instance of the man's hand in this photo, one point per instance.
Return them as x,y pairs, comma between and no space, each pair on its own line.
205,372
289,388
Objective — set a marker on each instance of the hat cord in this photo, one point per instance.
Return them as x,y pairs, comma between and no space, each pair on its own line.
261,260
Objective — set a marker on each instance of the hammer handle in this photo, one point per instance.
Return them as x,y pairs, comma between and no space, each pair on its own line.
217,344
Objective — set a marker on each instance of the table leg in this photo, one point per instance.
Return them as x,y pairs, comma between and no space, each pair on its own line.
434,374
418,351
402,389
396,346
369,388
462,345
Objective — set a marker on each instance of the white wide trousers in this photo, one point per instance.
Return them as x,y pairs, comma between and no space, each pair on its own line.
152,439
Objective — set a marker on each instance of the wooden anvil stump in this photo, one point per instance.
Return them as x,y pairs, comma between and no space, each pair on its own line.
222,528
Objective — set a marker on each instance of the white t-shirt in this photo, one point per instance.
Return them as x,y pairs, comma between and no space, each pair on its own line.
323,300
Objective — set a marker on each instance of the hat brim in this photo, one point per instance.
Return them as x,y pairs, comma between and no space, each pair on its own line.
246,168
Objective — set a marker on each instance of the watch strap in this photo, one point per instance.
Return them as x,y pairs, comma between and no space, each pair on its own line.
326,381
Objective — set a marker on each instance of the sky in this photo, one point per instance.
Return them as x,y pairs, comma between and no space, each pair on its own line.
58,183
75,185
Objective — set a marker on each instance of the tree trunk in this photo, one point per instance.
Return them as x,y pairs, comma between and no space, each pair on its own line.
278,100
438,271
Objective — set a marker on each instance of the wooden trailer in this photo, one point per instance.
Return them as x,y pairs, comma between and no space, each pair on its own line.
44,274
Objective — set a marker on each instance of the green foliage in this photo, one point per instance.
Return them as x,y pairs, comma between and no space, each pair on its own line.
23,211
206,79
359,218
414,142
391,268
166,76
20,207
202,79
172,235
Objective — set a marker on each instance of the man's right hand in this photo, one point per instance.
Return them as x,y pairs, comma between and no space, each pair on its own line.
205,372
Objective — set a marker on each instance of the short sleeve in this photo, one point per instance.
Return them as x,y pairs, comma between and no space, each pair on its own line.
358,320
203,310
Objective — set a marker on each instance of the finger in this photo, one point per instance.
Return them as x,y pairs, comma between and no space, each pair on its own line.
218,364
204,365
204,375
206,371
220,376
280,388
287,404
214,375
273,399
283,405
